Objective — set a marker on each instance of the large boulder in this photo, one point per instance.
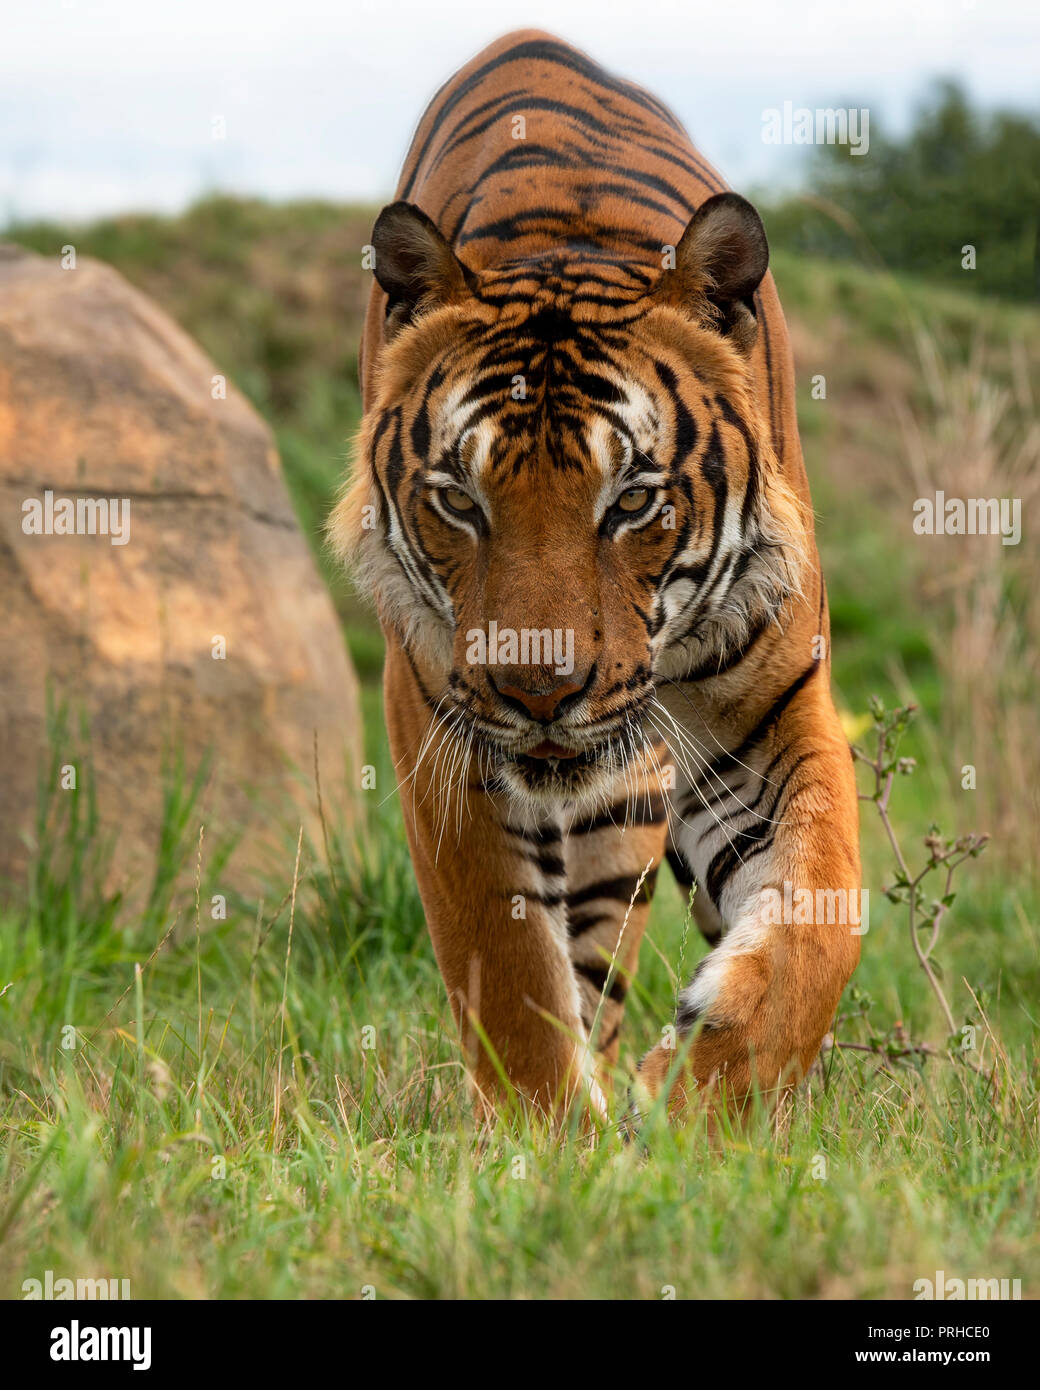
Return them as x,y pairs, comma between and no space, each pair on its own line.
205,627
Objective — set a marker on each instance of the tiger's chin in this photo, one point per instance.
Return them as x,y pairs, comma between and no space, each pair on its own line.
586,780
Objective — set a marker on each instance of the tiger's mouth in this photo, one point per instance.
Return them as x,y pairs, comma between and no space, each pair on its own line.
551,770
570,763
548,749
550,759
555,771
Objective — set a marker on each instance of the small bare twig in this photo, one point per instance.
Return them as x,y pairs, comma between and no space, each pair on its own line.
907,887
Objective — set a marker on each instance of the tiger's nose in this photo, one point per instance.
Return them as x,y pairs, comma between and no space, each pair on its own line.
541,703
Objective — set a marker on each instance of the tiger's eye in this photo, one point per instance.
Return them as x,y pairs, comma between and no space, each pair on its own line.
634,500
458,501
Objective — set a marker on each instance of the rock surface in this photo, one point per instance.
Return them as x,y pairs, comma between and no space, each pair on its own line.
103,397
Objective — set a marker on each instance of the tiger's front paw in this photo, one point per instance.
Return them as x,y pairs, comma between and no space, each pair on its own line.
662,1067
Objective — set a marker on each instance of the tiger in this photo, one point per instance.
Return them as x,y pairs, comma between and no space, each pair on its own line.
579,504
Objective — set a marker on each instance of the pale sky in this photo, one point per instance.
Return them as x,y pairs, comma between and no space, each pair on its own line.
110,106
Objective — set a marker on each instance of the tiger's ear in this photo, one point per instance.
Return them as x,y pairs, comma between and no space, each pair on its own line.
719,264
415,265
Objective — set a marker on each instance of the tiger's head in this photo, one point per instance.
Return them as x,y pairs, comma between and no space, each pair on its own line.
564,492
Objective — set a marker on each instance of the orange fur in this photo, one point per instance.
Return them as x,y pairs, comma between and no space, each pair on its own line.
598,264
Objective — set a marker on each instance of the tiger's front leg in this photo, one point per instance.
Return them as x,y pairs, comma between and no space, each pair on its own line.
612,857
770,830
494,894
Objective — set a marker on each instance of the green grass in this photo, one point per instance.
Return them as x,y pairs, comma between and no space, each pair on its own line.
152,1150
201,1140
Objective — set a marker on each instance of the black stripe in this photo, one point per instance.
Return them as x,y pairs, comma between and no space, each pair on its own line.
550,51
597,976
687,1016
761,835
726,762
613,889
681,871
614,818
718,666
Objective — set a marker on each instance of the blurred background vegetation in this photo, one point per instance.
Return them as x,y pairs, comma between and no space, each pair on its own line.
957,178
